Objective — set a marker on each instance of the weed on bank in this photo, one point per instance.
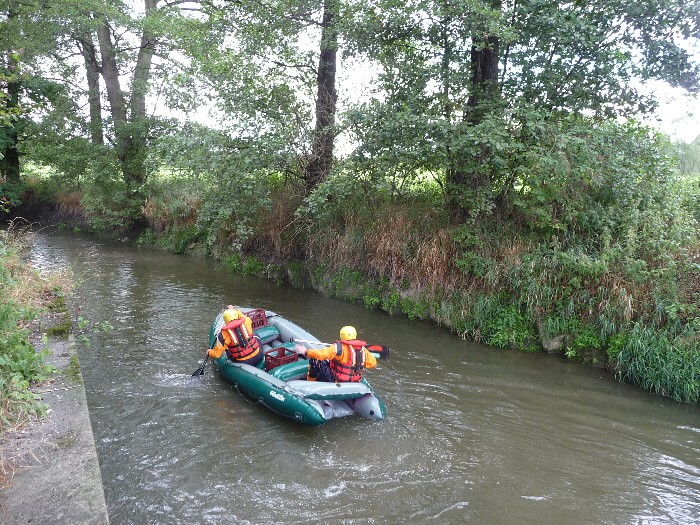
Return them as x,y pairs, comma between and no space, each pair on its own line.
25,295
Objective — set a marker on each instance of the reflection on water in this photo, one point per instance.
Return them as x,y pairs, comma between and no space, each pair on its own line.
473,434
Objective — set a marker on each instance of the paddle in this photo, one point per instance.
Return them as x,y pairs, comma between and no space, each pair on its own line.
379,351
200,370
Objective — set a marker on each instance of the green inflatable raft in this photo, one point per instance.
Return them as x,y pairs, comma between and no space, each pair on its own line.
279,383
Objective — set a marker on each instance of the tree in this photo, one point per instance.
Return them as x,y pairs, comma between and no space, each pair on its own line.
29,35
129,119
14,32
258,59
321,158
9,131
89,52
466,81
689,155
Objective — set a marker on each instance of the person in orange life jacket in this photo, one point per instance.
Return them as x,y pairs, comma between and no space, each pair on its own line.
237,339
343,361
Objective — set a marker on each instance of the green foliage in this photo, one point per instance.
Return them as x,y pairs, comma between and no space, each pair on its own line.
220,193
346,283
234,263
424,117
689,188
148,237
616,217
472,260
391,302
72,161
111,205
616,344
492,321
18,355
253,266
661,363
579,177
297,274
10,195
181,239
414,308
21,365
509,328
474,264
238,264
584,338
579,335
594,60
176,239
374,293
342,193
689,158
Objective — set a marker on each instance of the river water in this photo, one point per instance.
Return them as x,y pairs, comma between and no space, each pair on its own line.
473,435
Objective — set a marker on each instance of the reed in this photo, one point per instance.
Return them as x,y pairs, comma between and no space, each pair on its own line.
662,363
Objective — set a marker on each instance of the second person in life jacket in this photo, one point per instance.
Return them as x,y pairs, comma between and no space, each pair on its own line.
343,361
237,339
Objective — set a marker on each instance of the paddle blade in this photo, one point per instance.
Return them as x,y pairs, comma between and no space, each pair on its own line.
200,370
379,351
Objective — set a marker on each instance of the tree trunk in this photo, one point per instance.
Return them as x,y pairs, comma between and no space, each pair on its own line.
142,72
110,73
9,159
470,188
130,133
321,161
484,81
117,104
9,163
92,73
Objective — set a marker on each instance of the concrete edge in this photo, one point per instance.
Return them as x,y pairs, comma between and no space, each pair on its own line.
55,474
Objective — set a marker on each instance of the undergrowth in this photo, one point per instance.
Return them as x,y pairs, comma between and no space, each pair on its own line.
26,294
590,248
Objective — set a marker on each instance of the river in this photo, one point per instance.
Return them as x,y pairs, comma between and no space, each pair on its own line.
473,434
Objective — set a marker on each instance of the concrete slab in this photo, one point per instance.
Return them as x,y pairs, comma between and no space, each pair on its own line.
52,470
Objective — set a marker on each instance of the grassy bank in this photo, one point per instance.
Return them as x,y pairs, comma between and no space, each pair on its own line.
623,298
591,251
26,295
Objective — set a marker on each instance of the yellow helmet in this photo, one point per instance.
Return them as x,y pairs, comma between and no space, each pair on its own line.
348,333
230,315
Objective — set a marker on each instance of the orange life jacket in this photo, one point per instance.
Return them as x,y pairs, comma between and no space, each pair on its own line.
243,345
344,371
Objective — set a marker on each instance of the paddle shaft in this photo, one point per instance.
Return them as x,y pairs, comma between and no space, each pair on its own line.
200,370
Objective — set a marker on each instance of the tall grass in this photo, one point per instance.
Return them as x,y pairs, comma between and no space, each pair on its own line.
662,364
